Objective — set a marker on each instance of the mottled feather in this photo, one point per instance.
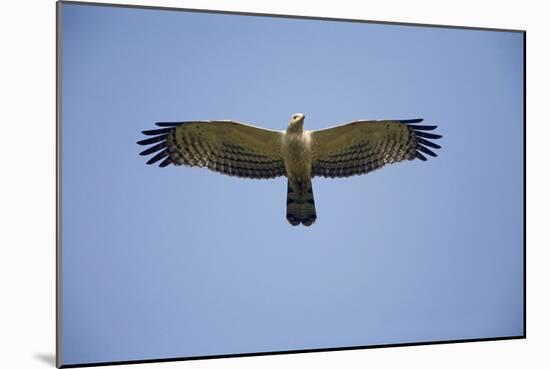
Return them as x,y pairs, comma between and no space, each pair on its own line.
227,147
363,146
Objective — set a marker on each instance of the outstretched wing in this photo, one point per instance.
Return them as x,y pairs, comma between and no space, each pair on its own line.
362,146
227,147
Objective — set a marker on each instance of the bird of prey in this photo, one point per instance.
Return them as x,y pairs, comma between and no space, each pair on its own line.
242,150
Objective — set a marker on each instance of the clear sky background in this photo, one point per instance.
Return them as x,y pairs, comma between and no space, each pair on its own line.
180,261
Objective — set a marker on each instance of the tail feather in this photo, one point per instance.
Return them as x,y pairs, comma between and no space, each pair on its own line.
300,209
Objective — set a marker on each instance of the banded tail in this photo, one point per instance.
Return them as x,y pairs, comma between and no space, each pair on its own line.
300,210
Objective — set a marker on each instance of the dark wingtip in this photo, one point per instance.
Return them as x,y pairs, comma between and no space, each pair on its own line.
426,150
422,142
411,121
159,143
154,132
420,156
169,124
153,149
166,162
157,157
423,128
427,143
427,135
152,140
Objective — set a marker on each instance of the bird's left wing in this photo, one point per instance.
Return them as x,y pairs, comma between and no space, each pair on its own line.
363,146
228,147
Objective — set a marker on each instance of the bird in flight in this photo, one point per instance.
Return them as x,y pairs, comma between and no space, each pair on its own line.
242,150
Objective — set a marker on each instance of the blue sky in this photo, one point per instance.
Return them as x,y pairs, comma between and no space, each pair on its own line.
181,261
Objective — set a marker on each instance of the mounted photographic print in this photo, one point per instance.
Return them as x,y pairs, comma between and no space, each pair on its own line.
235,184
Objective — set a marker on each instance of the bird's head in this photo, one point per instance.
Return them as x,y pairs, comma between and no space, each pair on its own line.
296,122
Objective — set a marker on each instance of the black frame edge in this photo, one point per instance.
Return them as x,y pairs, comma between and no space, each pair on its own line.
58,291
525,184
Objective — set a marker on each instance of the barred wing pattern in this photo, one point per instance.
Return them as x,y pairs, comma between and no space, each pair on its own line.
228,147
362,146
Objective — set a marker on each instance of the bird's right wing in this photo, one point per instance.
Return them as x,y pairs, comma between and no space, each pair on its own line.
228,147
363,146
